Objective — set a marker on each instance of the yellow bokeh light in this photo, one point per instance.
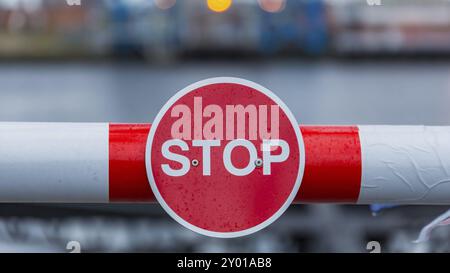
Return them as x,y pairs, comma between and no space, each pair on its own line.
219,5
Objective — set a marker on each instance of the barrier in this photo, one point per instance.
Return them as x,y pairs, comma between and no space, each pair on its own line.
102,162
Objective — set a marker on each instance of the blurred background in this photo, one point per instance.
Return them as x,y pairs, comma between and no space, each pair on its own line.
332,61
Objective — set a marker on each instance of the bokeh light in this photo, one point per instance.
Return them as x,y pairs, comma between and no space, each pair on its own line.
165,4
219,5
272,5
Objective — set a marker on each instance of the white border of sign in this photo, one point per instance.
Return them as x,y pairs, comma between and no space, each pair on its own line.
151,135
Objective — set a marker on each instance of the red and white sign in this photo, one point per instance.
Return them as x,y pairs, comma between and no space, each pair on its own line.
225,157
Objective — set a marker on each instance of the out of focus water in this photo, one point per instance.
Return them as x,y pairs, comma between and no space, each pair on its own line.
326,92
317,92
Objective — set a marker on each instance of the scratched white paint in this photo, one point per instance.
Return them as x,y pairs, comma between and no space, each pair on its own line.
52,162
405,164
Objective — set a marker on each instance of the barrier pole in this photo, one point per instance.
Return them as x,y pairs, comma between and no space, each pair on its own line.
103,162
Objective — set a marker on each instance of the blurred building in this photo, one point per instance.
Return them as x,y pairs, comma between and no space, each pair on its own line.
166,28
42,28
395,27
152,29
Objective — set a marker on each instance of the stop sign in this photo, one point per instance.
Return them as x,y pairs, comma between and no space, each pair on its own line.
225,157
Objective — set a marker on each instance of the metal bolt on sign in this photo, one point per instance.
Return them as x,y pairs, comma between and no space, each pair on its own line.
195,162
258,162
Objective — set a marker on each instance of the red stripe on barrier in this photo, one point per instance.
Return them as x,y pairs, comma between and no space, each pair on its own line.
332,166
332,169
127,173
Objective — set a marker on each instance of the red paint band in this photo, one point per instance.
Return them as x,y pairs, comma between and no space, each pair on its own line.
332,169
332,165
127,174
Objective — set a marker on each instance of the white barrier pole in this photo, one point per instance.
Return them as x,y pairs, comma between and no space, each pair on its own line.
101,162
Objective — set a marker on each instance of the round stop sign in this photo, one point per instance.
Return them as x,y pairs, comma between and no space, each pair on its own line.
225,157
